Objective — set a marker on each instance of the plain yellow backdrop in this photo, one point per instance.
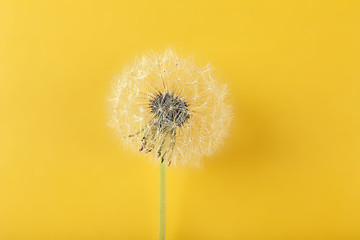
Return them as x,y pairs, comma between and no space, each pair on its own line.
289,169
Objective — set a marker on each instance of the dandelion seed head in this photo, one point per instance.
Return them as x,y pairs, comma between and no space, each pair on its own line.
169,107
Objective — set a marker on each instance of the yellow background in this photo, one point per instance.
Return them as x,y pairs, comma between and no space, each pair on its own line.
289,170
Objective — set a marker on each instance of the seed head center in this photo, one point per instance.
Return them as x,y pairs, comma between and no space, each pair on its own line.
169,109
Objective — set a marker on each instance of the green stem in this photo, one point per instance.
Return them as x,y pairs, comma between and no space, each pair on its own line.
162,199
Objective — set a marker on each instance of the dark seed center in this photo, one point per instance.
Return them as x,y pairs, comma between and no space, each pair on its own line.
169,109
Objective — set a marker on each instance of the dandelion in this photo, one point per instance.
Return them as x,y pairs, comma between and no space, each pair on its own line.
171,109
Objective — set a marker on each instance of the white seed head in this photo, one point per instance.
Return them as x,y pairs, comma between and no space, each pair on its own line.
170,107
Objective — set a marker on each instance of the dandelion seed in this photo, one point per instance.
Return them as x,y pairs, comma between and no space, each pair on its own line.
175,103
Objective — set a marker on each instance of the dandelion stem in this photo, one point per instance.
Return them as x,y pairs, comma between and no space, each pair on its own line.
162,199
